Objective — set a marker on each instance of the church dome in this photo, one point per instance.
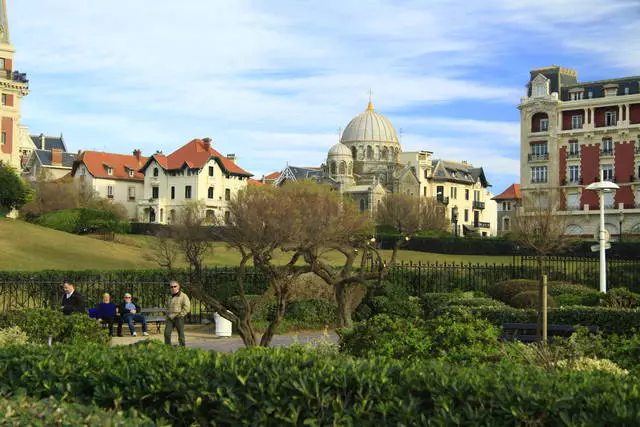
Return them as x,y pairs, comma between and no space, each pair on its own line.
339,150
370,126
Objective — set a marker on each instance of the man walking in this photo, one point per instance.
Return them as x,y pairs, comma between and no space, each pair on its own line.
177,308
72,301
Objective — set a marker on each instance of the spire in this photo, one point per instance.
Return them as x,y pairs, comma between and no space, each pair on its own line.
4,24
370,106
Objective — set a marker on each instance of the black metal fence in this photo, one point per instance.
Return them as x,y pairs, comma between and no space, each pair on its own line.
31,290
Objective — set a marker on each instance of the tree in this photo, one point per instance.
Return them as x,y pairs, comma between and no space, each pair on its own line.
408,215
14,192
539,228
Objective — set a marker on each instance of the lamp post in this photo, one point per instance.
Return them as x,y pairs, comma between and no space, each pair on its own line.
454,219
601,188
621,218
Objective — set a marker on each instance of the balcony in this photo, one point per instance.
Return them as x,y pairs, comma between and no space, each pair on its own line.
478,205
442,199
571,181
573,155
538,157
479,224
607,152
15,76
538,180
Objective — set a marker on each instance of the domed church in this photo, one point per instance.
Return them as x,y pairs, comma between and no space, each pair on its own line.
368,163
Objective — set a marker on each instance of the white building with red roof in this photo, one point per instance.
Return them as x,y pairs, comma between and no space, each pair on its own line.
112,176
194,172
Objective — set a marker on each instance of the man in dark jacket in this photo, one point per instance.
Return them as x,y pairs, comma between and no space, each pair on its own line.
72,301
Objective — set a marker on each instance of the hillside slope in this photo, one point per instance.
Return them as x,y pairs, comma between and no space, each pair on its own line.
29,247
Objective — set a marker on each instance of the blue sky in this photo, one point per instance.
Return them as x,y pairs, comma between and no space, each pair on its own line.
273,81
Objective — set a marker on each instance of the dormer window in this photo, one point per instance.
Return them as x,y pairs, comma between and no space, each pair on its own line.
540,86
611,90
131,173
109,170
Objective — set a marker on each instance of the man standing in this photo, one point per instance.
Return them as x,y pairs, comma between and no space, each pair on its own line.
177,308
72,301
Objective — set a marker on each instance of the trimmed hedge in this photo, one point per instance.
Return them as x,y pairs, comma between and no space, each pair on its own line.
22,410
610,320
296,387
529,299
82,220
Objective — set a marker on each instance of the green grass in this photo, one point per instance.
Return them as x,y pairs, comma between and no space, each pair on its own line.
29,247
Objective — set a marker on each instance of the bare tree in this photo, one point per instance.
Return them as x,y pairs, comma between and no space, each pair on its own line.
165,250
540,229
408,215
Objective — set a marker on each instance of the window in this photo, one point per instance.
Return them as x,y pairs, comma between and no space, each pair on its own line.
210,170
454,193
540,89
425,192
109,171
227,194
506,224
3,138
609,200
576,122
538,174
4,99
590,94
626,90
607,172
131,173
131,193
466,194
610,91
466,215
210,193
610,118
155,172
576,96
155,192
2,64
187,191
607,146
173,192
574,174
573,201
539,151
544,125
227,216
110,191
426,174
574,148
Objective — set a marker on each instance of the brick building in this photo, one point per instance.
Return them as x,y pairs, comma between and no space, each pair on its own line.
569,131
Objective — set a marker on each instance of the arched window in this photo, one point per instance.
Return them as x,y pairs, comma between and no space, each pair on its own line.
354,153
350,169
342,169
506,224
333,168
369,153
574,229
363,205
540,122
384,153
155,171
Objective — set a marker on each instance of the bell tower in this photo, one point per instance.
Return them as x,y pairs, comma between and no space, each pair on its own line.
13,86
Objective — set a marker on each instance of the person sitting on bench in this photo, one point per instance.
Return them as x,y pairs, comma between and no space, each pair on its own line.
128,310
105,312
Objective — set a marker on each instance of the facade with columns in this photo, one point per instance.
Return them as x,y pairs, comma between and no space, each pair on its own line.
570,130
13,86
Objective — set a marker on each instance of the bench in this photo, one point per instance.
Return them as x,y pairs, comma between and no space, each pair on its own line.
526,332
155,315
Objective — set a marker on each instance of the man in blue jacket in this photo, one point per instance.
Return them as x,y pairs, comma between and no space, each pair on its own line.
129,312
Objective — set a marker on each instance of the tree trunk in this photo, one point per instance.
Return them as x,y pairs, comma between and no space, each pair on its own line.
281,291
344,308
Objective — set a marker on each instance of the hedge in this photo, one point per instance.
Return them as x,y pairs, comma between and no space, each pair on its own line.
22,410
610,320
275,387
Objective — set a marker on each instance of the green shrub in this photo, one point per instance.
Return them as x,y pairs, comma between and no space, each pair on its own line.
39,324
313,311
13,336
505,291
453,337
433,304
388,299
22,410
82,220
620,298
529,299
297,387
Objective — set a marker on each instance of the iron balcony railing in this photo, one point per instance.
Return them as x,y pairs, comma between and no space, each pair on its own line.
573,154
541,156
442,199
480,224
478,205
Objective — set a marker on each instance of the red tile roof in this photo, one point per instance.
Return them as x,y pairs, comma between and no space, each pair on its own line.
255,183
272,176
195,154
513,192
98,162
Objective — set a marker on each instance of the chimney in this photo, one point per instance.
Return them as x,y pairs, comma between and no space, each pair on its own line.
56,156
42,140
232,157
137,153
207,143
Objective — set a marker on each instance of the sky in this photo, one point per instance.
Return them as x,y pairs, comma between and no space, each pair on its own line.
274,81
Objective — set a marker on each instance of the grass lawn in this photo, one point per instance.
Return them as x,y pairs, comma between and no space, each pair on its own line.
29,247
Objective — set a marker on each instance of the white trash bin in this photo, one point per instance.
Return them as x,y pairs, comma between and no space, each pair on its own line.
223,326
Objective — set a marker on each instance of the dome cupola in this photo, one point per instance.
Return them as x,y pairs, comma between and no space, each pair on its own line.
370,126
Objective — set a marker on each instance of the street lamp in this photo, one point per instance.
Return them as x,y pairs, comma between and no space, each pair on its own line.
621,218
601,188
454,219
